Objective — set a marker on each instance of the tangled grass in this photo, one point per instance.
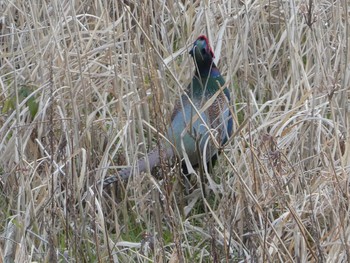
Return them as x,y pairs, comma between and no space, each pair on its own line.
84,84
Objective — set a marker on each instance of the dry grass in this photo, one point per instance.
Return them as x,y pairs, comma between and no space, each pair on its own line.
81,79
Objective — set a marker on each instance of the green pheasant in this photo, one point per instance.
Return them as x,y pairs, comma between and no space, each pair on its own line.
202,109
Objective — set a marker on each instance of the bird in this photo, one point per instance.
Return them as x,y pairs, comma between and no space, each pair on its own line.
203,109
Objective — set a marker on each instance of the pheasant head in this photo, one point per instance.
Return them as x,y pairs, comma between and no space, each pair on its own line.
203,55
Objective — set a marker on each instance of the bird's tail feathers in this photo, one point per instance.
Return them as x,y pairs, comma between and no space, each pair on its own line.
150,161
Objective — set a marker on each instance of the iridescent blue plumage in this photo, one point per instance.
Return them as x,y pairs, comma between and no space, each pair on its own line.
202,110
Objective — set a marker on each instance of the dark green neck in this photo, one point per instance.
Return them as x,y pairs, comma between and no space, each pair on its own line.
207,70
204,85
